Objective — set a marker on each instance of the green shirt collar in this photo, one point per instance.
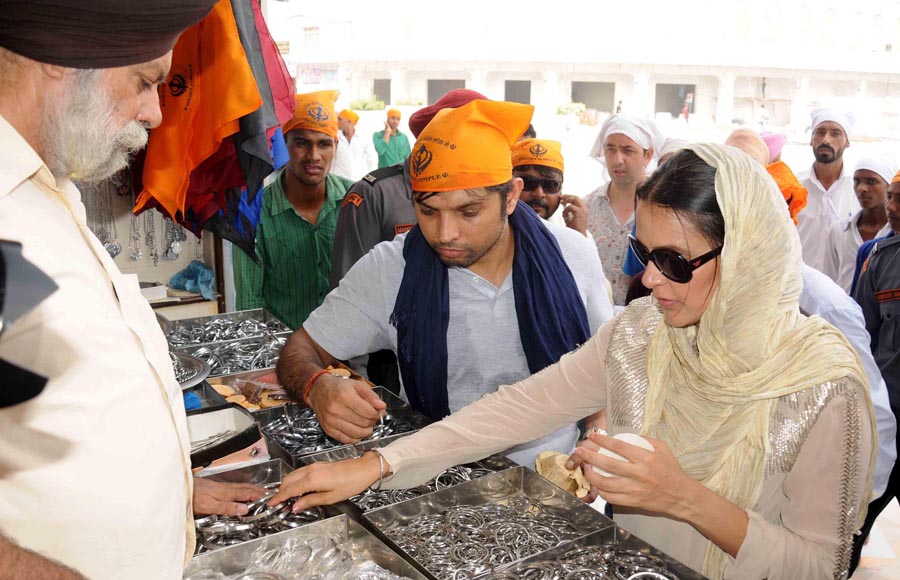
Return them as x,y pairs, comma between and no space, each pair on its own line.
334,193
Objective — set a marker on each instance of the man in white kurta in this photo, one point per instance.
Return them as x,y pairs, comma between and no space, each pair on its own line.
95,474
829,183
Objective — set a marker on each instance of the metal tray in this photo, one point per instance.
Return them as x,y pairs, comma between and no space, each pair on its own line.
608,537
512,485
191,363
258,314
264,474
231,379
235,559
398,408
233,420
192,350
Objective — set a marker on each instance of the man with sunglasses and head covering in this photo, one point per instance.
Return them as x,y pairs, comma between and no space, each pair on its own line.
738,393
479,293
539,164
95,471
626,145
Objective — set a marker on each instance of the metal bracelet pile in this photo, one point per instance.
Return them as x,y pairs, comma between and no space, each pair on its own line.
243,355
369,500
591,563
182,374
219,329
469,540
299,432
214,532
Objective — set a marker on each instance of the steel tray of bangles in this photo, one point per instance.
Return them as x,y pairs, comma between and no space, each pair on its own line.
220,327
219,431
216,532
240,354
478,526
369,500
190,371
292,431
337,548
610,554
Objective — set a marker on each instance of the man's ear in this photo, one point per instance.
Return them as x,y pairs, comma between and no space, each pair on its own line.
515,192
53,71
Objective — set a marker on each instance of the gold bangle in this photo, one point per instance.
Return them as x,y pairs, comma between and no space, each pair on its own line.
380,471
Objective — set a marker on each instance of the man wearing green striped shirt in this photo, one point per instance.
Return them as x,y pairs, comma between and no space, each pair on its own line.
295,234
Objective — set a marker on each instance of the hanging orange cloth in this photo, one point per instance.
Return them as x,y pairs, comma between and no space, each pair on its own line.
210,87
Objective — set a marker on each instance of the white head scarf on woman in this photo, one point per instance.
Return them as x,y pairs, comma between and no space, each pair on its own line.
713,387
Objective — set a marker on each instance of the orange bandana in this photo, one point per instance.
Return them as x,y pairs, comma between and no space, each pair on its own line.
896,178
468,147
315,111
794,193
538,152
393,113
349,115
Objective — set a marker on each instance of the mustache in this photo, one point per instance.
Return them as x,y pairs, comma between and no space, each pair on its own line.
538,203
829,147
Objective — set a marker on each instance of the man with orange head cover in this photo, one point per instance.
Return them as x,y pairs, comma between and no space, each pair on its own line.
481,292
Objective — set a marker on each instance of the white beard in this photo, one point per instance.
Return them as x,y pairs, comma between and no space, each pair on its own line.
80,134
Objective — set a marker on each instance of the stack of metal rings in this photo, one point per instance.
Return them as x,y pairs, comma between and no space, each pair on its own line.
469,540
182,375
369,500
243,355
219,329
214,532
591,563
299,432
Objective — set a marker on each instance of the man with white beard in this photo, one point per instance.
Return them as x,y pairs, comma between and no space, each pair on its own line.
95,476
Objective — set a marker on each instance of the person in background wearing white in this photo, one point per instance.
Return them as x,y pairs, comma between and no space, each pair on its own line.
355,155
871,179
829,183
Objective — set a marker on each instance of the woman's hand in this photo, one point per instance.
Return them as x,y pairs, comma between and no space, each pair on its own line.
224,499
650,481
328,482
576,461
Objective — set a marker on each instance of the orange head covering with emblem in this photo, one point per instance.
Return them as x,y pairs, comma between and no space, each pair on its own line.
394,113
794,193
315,111
349,115
538,152
468,147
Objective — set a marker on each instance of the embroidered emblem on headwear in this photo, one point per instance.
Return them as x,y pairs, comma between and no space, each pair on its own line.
354,198
537,150
317,112
421,160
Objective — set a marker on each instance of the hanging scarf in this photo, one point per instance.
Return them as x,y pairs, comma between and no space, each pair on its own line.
551,315
713,387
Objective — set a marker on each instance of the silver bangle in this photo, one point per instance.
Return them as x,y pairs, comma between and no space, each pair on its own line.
380,472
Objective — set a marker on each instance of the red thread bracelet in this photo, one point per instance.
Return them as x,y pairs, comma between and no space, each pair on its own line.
308,386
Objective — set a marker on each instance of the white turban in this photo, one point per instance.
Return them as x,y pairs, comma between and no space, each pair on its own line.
845,120
644,132
883,165
672,145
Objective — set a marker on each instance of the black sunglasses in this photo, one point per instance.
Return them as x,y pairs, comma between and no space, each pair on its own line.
673,265
550,186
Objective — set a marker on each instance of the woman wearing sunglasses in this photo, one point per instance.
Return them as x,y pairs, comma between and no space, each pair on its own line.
759,416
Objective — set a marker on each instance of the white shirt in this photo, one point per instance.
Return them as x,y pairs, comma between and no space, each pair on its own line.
94,471
483,343
824,298
842,245
354,159
823,208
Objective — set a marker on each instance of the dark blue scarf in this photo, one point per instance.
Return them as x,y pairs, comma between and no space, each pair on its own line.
552,318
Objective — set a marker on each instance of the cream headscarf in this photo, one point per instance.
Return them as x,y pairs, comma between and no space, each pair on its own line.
713,387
